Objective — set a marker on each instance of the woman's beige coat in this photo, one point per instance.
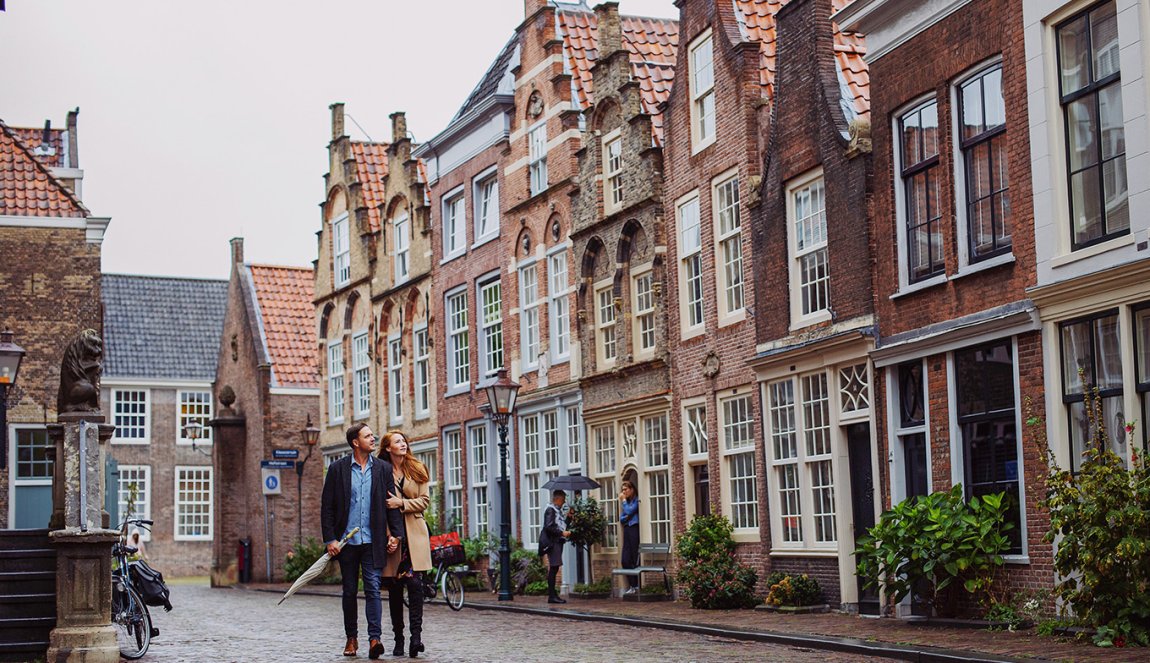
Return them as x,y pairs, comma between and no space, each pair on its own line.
416,498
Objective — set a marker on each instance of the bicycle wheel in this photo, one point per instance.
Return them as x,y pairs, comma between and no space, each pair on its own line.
452,590
132,621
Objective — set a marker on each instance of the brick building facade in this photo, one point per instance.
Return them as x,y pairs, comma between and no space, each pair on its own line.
267,389
45,303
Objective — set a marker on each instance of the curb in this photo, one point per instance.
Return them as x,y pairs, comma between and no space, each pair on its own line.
912,653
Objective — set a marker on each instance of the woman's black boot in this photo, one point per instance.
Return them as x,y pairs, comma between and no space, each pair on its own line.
415,614
395,607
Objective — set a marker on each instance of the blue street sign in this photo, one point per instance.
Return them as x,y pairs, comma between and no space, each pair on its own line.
285,453
277,464
272,482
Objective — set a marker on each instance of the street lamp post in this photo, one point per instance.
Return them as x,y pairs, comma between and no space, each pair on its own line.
10,357
501,396
310,438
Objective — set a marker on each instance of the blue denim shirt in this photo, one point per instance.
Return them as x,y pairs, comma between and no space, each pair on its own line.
359,515
630,512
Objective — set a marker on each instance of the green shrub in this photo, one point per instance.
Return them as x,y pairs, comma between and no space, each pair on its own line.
478,547
1100,524
938,543
586,522
301,557
792,590
602,586
536,588
710,575
526,567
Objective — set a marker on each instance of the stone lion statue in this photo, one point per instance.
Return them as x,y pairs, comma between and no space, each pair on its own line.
80,374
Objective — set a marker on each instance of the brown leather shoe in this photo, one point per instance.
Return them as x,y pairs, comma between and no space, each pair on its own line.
375,648
351,648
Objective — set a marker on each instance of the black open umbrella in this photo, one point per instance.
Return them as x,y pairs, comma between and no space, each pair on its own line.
571,482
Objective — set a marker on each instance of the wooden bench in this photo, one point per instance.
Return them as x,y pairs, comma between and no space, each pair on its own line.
646,565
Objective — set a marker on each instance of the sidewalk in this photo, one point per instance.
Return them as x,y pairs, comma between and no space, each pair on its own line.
845,633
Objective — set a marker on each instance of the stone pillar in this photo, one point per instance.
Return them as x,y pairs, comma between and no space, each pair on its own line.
83,544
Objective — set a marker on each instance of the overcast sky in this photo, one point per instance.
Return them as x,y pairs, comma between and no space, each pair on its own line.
202,121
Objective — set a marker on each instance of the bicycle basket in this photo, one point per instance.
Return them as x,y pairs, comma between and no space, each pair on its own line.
447,549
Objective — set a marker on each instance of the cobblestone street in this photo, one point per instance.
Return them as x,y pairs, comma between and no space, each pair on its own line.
236,625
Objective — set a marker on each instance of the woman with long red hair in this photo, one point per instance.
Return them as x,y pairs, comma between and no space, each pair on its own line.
407,564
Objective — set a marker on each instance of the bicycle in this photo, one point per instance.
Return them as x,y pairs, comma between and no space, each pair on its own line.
446,580
130,616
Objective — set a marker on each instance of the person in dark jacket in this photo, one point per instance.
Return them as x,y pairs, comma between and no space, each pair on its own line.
629,519
551,540
354,495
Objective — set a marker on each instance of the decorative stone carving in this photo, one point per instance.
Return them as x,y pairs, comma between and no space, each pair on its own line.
80,374
535,105
227,396
859,132
711,364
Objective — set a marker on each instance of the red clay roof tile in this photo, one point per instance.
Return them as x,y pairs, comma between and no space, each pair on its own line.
651,44
27,186
34,138
285,295
371,173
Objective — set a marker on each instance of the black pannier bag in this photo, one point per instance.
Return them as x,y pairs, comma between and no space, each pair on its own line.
149,584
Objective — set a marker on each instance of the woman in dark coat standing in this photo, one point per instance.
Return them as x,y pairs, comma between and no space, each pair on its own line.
551,540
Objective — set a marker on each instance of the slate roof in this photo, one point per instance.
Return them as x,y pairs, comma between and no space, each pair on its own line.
162,327
371,173
651,45
286,318
757,23
489,84
27,186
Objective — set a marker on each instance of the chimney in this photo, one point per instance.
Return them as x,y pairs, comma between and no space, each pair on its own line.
237,250
532,6
610,30
398,126
336,120
73,144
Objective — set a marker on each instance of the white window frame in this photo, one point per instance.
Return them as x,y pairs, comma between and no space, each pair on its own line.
612,172
458,342
728,453
531,436
724,286
143,504
530,326
799,319
179,508
687,305
182,419
537,157
428,453
559,304
604,303
335,405
454,224
691,459
453,477
341,250
421,347
657,466
486,204
574,421
395,378
701,93
605,474
478,475
120,428
402,248
490,328
361,374
643,315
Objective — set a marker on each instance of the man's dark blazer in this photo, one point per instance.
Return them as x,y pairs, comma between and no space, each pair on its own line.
337,502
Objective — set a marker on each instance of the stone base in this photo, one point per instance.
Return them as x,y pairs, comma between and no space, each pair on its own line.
84,644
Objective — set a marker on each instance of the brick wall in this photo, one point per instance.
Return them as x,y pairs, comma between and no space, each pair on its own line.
46,304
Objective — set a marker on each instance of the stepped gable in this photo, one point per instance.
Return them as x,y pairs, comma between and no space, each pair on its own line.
651,44
757,23
27,186
286,311
371,173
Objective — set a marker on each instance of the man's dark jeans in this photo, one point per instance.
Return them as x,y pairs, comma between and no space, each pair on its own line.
353,559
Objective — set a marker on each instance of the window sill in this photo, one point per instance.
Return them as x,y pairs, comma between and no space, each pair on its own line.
1091,251
137,443
453,256
693,332
726,320
395,422
747,535
456,391
486,239
812,319
917,287
1017,559
803,552
983,265
189,444
422,416
697,147
556,361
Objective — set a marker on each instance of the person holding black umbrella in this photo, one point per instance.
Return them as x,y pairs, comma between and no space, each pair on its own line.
551,540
